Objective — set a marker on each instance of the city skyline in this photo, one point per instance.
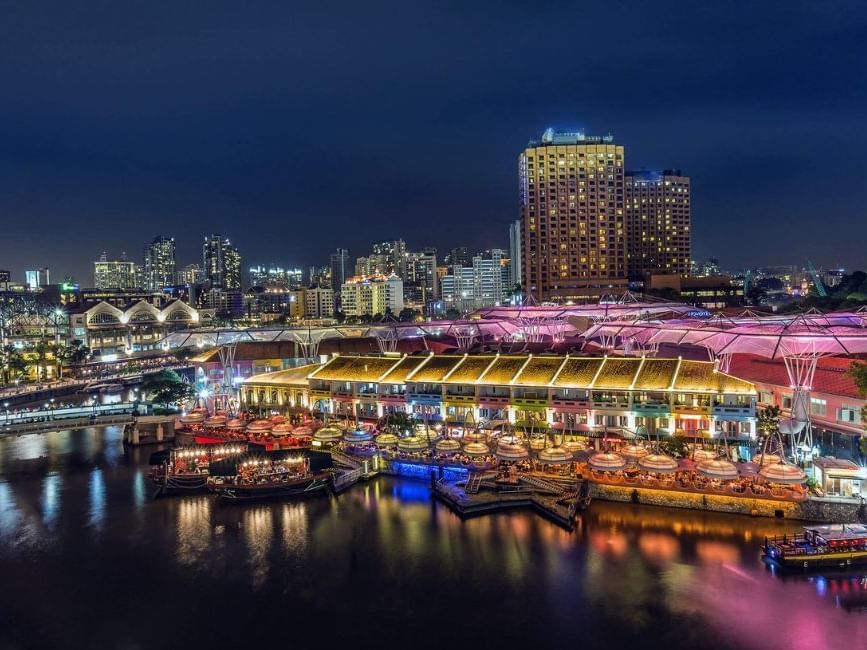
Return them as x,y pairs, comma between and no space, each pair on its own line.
209,140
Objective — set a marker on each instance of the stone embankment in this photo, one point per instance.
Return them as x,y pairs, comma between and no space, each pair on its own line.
825,510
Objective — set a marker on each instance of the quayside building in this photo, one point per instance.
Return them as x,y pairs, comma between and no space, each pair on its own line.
577,395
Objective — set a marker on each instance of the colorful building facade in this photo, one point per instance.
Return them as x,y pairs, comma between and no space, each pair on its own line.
579,395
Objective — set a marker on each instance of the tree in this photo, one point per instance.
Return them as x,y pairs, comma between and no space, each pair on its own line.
858,372
675,446
13,363
769,420
407,314
75,352
452,314
167,388
42,350
399,421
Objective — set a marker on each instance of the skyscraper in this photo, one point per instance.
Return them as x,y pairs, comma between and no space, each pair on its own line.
420,286
221,262
482,284
340,269
159,264
572,216
395,255
658,222
115,274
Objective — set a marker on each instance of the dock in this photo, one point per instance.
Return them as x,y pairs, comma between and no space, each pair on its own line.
560,507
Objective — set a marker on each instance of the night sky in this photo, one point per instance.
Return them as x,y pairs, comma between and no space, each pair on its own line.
295,127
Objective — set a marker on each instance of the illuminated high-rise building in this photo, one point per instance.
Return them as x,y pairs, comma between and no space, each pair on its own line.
115,274
573,233
159,264
657,223
340,270
221,262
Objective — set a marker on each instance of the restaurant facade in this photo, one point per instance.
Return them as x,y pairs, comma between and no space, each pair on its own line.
579,395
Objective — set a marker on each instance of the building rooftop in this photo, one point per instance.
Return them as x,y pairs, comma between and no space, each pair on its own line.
599,373
289,377
553,137
832,374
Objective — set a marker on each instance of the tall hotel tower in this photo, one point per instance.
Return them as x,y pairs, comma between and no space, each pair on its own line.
572,217
658,223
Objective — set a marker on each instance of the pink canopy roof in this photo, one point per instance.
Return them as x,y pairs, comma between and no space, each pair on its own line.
772,337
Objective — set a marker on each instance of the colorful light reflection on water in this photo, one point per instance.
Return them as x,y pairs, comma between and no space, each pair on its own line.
76,517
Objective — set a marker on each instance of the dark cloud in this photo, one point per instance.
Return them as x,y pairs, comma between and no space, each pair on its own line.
298,127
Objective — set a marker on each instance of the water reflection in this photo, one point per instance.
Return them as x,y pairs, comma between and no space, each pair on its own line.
51,487
97,500
385,552
139,490
258,526
193,529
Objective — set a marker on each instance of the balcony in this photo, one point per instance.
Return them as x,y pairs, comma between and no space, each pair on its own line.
734,410
651,408
691,409
459,398
530,403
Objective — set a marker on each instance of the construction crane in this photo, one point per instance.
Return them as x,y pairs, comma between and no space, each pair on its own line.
817,281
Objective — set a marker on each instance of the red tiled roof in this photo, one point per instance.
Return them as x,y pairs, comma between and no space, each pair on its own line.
832,376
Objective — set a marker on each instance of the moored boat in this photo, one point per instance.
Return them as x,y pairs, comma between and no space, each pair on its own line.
838,545
186,468
272,475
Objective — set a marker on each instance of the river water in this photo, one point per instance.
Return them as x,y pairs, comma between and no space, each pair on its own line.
89,560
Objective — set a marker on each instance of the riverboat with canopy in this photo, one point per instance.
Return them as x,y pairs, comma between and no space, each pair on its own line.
819,547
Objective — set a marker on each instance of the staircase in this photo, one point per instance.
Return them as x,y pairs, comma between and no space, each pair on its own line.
473,483
343,460
542,484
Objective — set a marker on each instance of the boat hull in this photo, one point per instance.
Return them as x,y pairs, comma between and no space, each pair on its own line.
231,492
181,483
842,559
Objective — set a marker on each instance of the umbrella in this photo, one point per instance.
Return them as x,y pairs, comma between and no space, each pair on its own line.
447,446
260,426
574,445
357,436
555,456
412,443
476,449
659,463
719,468
702,455
634,451
328,434
235,423
277,419
282,429
511,451
607,462
785,473
766,459
386,440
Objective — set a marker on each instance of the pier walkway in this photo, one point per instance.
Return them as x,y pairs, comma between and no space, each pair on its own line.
66,423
